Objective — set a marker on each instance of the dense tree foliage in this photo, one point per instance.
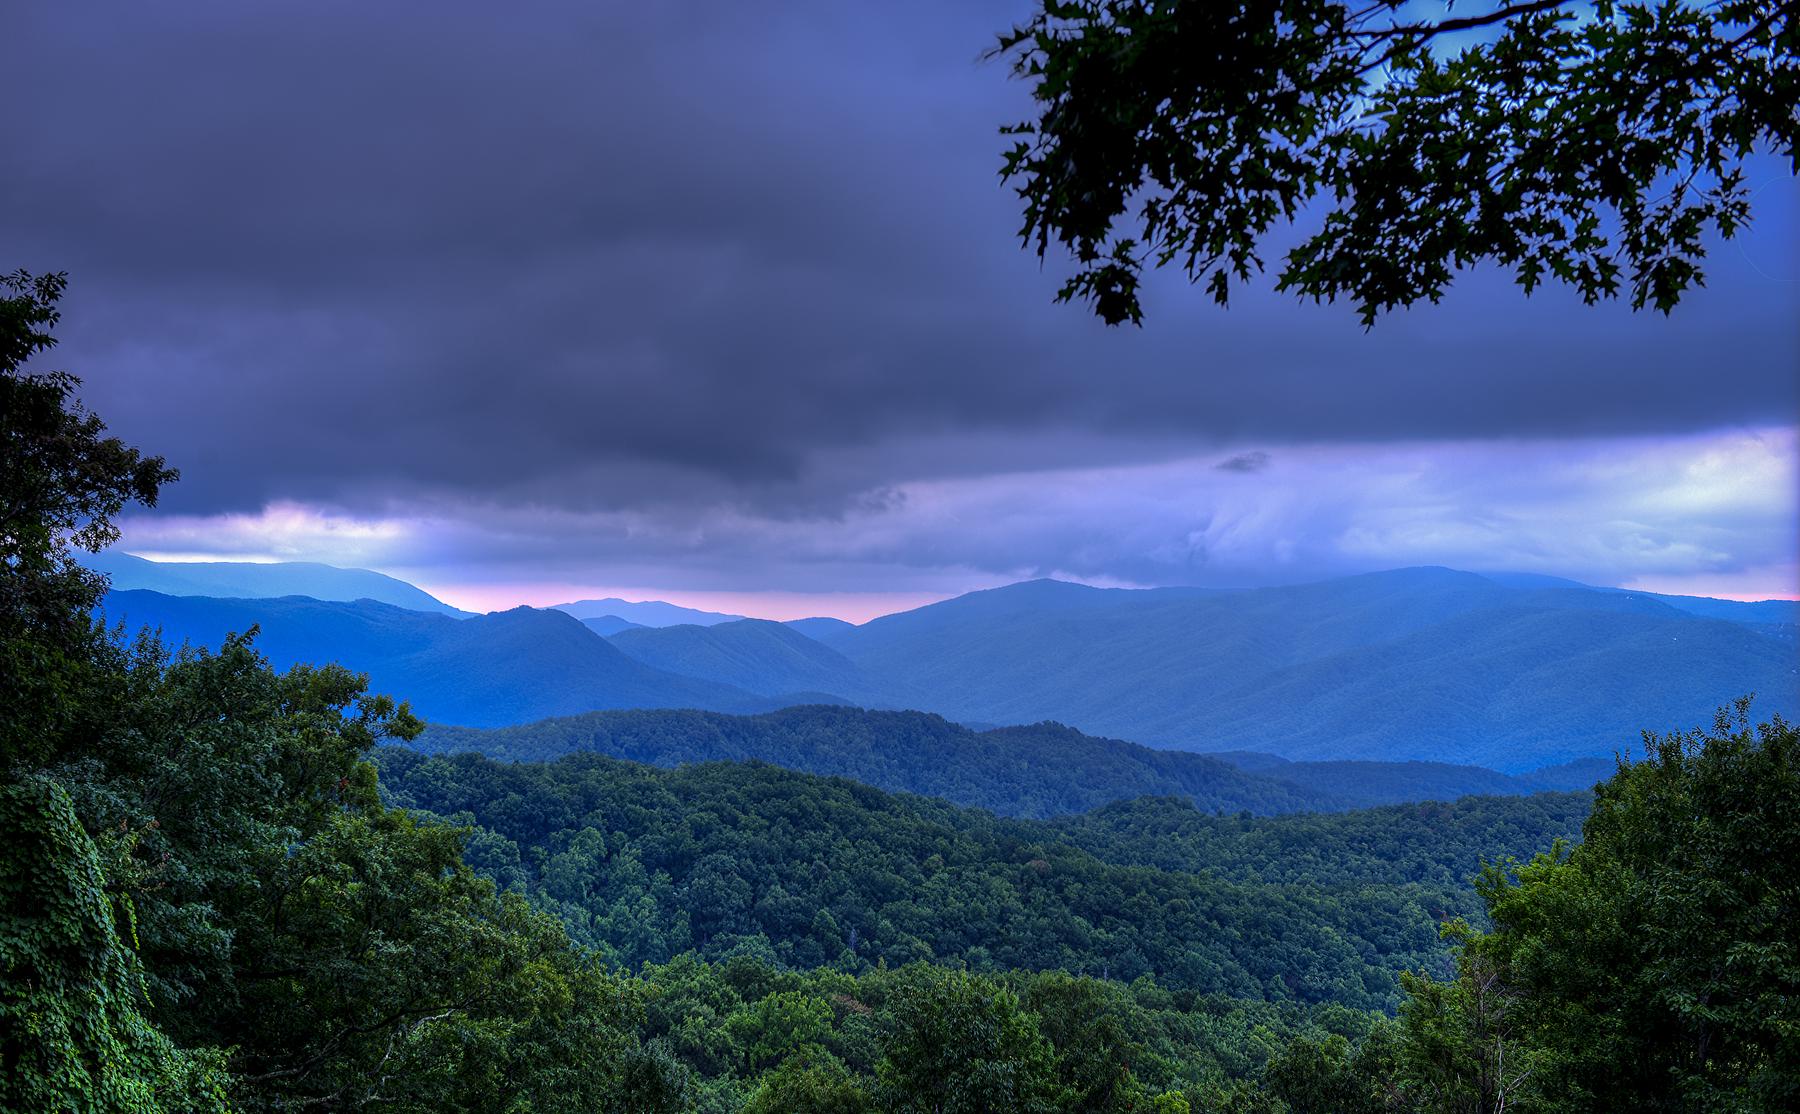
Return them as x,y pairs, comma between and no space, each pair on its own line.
1594,144
73,1031
1656,966
1432,843
321,948
206,902
645,864
754,1036
61,481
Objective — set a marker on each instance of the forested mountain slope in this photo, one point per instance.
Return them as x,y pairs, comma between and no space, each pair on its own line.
1432,842
645,863
1041,770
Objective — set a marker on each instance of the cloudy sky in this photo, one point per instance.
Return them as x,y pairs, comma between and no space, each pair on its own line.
722,304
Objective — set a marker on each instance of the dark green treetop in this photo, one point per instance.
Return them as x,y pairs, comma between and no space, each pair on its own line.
62,480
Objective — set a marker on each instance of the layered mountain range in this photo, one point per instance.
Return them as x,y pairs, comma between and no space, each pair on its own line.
1422,665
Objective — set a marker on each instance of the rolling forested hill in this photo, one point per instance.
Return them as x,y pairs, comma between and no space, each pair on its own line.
1381,783
1431,842
1043,769
645,864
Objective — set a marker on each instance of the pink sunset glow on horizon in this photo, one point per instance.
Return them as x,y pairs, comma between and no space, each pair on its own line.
860,607
1706,514
852,607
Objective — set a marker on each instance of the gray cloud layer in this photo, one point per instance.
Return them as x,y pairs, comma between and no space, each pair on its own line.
671,256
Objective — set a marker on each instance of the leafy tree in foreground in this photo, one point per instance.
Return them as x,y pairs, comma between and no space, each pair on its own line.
1461,1045
61,482
203,901
1653,967
1656,966
1596,144
73,1030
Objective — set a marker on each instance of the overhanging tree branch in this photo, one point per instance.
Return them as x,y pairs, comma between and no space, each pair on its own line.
1183,132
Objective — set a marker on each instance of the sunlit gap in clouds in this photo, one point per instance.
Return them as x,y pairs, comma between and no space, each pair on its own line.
1711,514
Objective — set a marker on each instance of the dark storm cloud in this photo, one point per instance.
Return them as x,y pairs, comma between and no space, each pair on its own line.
1713,512
1254,461
594,257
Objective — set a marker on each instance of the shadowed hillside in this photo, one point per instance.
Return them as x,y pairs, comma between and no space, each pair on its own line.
1043,769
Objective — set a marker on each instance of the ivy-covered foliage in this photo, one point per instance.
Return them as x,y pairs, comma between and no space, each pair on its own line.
73,1030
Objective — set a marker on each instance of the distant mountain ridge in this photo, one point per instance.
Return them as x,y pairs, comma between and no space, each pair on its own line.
1505,673
608,625
1427,664
1383,783
762,657
505,667
252,580
645,613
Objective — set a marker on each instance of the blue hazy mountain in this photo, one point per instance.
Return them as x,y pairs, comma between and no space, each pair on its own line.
1427,664
760,656
506,667
644,613
1748,612
608,625
1778,618
820,628
251,580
